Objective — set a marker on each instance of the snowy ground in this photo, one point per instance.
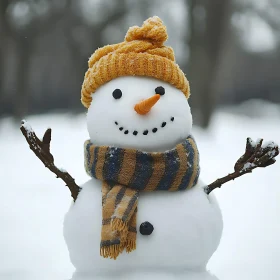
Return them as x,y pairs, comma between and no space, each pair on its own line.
33,202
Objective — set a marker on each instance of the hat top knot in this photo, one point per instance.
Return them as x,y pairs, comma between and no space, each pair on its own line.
142,53
152,30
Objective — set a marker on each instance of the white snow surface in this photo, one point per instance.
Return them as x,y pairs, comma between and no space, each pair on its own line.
33,202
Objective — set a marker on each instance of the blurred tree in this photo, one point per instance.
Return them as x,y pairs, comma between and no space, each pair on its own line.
265,10
22,22
84,34
45,46
251,64
209,21
3,36
77,25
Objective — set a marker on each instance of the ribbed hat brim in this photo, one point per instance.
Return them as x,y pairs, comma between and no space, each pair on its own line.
115,65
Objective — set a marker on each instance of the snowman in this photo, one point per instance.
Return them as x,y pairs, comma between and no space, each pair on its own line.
145,213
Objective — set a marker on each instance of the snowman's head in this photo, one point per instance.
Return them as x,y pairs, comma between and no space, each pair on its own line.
123,77
139,112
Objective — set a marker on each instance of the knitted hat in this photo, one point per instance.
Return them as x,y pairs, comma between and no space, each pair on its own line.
141,54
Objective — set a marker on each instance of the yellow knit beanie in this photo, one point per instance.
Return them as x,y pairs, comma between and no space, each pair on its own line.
141,54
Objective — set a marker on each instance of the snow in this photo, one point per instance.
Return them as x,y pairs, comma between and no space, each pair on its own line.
33,202
27,127
272,153
247,166
269,144
62,170
258,141
252,142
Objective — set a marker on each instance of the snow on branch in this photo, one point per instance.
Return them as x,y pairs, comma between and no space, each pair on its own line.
256,155
42,151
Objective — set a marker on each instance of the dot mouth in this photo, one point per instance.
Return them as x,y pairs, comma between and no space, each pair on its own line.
145,131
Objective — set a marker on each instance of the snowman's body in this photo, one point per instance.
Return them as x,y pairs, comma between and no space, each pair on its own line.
187,231
187,224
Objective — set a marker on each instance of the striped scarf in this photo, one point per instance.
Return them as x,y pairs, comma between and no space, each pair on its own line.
127,172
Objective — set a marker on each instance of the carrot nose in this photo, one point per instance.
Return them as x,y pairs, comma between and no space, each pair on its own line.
146,105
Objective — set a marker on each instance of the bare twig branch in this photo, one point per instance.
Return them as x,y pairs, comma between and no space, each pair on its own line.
255,156
42,151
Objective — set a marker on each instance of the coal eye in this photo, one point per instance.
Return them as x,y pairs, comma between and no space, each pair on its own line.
160,90
117,93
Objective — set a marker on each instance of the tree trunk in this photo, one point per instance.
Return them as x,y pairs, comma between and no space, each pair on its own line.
208,23
2,78
21,81
3,7
79,69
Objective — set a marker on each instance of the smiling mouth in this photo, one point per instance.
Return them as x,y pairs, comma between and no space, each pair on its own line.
146,131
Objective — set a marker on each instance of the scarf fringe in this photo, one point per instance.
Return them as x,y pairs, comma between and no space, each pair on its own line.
111,251
130,245
119,225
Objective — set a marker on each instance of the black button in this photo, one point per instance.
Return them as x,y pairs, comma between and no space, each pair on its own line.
146,228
